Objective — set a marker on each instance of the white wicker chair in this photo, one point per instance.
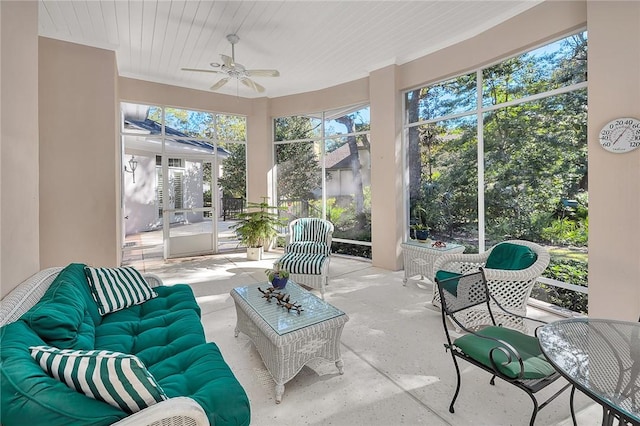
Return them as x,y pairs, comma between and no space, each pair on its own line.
511,288
308,251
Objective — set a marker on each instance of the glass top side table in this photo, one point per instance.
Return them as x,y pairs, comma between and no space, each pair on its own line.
601,358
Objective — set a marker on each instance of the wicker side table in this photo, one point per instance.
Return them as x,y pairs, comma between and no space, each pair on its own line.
285,340
419,258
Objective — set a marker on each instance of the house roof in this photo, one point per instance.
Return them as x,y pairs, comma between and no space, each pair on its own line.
154,128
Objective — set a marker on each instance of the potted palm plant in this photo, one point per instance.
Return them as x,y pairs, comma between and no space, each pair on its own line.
257,227
420,227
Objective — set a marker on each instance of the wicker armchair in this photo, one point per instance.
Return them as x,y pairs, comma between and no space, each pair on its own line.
308,251
511,288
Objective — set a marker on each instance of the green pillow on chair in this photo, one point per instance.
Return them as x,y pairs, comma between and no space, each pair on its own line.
511,257
450,286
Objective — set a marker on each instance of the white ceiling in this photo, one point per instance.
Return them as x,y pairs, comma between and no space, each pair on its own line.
314,44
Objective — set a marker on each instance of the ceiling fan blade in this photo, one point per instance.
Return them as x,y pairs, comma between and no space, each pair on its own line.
219,84
199,70
252,84
263,73
227,60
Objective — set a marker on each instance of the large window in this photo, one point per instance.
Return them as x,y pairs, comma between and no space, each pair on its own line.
180,155
501,153
323,170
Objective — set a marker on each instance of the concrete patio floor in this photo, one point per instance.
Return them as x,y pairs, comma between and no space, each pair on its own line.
396,369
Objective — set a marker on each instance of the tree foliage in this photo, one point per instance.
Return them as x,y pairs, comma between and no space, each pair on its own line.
299,171
535,153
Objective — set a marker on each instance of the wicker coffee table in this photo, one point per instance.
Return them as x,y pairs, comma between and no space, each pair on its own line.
285,340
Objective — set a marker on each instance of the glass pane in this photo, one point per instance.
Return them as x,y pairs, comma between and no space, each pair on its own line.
232,184
231,127
299,177
184,228
181,122
443,180
536,179
453,96
555,65
187,146
348,186
296,128
347,120
141,119
232,176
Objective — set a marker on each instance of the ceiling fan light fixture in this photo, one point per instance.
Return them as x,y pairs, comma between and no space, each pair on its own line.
234,70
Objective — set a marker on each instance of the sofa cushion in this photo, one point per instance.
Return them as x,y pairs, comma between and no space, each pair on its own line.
73,274
170,299
117,288
511,257
202,374
26,388
118,379
152,339
61,317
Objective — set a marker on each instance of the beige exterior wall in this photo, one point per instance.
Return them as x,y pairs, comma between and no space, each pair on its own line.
614,179
79,155
79,196
19,230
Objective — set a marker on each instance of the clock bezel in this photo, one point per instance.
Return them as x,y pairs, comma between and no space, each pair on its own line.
628,125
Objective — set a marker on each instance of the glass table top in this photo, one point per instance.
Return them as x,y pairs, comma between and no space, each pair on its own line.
602,357
314,309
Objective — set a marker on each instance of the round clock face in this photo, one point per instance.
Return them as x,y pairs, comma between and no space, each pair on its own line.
621,135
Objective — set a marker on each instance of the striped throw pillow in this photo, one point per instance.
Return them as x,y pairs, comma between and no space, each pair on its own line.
115,378
117,288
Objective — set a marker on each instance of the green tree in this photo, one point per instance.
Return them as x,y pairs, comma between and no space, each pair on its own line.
299,171
233,181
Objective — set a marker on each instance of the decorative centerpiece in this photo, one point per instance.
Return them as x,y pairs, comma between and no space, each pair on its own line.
277,276
283,300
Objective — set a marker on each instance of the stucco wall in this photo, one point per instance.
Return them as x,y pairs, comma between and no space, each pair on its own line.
79,155
614,179
19,231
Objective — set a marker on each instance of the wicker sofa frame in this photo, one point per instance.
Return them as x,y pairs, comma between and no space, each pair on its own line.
180,411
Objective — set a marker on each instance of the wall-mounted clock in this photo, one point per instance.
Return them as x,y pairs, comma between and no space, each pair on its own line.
621,135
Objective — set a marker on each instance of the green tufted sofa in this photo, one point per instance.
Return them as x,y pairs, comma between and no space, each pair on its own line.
165,333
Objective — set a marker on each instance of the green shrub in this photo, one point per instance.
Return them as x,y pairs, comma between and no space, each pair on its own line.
573,271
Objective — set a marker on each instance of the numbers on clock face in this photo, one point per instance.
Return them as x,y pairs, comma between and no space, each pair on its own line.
621,135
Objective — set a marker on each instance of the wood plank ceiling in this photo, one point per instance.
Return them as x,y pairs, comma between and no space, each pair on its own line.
314,44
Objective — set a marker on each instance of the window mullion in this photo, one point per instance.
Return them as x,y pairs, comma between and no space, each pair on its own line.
480,136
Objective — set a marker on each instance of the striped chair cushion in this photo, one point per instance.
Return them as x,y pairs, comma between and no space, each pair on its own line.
310,229
303,263
308,247
118,379
114,289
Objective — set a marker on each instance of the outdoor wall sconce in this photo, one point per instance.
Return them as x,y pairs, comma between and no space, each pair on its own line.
133,163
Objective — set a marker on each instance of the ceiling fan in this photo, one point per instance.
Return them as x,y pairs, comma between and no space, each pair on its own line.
232,69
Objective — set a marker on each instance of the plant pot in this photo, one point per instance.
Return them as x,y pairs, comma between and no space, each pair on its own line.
422,234
279,283
254,253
